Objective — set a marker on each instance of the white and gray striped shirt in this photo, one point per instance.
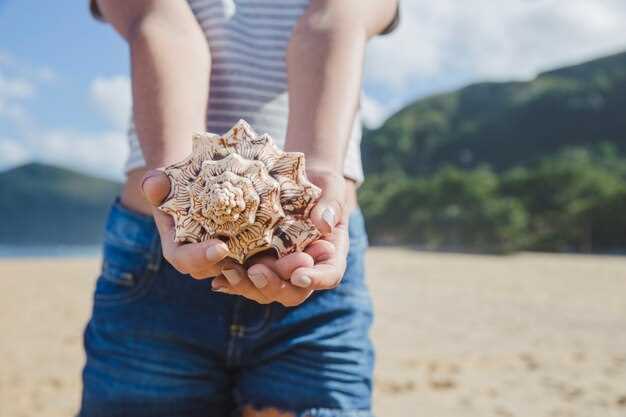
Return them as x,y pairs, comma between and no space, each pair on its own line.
248,40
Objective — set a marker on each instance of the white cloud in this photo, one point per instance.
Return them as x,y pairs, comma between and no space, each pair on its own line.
15,88
486,39
373,113
12,153
102,154
111,96
13,91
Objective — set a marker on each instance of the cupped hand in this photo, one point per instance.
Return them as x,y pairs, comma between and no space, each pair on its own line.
200,260
292,279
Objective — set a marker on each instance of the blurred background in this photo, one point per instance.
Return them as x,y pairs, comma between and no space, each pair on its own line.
495,155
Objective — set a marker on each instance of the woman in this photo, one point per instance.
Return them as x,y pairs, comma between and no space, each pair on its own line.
267,339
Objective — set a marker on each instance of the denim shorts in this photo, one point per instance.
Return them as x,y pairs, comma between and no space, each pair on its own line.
160,343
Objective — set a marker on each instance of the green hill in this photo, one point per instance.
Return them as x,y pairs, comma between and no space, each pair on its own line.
505,124
42,205
499,167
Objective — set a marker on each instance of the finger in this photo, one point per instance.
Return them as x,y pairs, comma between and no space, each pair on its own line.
199,258
220,284
210,272
265,280
320,277
329,209
329,265
274,288
284,267
321,250
244,288
165,226
233,272
155,187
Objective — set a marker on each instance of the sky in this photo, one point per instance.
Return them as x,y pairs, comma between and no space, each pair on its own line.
65,89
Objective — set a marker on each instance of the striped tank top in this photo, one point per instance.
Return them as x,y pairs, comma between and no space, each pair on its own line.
248,42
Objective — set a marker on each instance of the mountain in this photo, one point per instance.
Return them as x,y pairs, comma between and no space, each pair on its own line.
505,124
42,205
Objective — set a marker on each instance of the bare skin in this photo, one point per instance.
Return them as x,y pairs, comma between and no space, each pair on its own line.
324,65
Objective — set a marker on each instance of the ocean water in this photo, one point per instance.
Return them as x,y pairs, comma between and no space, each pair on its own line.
56,251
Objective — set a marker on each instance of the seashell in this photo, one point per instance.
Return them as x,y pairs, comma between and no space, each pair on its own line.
242,189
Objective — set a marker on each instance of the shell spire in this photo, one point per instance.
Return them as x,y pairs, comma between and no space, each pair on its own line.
240,188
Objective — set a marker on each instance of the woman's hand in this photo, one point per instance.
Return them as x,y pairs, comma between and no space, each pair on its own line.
292,279
200,260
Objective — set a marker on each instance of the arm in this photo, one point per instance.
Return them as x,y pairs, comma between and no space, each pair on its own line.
170,74
324,69
170,83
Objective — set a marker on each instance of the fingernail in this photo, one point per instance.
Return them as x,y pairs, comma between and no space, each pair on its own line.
222,290
216,252
258,280
301,281
232,276
149,175
328,215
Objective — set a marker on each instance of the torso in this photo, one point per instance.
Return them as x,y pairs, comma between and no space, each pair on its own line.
248,41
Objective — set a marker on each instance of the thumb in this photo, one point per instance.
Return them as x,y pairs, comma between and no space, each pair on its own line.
329,209
155,187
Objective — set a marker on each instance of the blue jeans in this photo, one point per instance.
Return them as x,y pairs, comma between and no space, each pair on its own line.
160,343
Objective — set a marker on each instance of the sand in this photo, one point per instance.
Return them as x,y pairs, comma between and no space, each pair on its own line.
529,335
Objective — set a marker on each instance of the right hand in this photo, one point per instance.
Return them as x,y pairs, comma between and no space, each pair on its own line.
200,260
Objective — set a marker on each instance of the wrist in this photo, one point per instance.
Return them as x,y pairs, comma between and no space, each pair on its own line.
322,167
320,154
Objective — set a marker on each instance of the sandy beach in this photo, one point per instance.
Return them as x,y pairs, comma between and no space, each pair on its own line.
529,335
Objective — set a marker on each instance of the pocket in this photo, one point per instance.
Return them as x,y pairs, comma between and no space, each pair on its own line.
129,262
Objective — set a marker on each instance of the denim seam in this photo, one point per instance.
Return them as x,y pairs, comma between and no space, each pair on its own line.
231,353
261,326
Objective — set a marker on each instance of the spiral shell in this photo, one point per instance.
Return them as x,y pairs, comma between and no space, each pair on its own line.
242,189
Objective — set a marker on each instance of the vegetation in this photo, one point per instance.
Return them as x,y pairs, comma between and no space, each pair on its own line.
501,167
572,201
505,124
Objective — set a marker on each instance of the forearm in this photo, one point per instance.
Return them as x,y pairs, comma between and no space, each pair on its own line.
324,67
170,78
324,71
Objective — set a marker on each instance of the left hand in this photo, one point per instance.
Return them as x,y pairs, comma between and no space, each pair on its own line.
292,279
